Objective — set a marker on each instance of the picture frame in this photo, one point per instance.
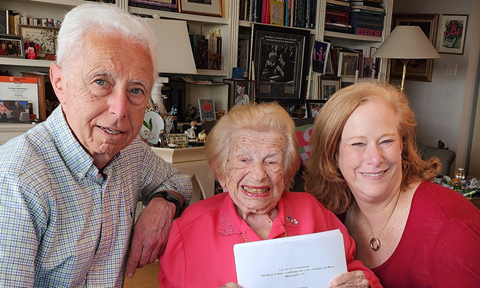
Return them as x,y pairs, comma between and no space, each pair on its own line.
347,81
43,36
417,69
452,35
314,106
320,53
14,49
330,68
279,63
207,109
238,89
4,27
327,86
201,7
347,64
15,113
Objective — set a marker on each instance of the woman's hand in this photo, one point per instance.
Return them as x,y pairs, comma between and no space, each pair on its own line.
350,279
231,285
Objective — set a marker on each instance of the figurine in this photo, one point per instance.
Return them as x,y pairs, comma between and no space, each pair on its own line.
31,53
31,49
202,136
173,114
191,131
168,124
242,98
191,113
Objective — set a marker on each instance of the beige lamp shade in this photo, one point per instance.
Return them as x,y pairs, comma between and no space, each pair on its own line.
174,52
406,42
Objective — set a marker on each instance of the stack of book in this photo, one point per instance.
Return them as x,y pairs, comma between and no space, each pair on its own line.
367,17
172,6
337,16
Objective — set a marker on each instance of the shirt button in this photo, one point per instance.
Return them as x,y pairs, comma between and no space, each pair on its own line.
79,175
96,268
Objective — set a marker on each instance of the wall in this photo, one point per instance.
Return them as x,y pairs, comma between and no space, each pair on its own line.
445,107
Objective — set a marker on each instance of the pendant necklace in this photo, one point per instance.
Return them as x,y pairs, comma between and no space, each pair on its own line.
375,242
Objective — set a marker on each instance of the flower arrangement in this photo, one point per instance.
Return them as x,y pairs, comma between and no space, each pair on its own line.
453,32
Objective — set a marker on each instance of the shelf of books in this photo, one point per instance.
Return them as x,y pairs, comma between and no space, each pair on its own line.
179,16
356,17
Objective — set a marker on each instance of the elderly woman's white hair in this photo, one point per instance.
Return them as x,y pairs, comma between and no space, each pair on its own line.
100,19
262,117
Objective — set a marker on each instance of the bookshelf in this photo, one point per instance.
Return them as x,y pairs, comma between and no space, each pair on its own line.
229,25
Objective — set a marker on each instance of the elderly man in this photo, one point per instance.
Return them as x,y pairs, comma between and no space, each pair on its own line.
69,186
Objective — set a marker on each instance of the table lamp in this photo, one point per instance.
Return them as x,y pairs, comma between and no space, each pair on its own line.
406,43
174,53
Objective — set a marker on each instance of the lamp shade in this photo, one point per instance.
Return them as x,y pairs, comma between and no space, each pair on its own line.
406,42
174,51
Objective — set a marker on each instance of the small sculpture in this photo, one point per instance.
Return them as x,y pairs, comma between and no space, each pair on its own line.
191,131
173,115
31,50
202,136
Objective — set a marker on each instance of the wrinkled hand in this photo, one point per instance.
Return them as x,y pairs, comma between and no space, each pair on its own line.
350,279
150,234
231,285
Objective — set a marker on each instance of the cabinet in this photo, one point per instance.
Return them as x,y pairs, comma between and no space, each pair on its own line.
228,25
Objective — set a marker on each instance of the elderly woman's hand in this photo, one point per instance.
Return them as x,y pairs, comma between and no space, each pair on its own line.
231,285
350,279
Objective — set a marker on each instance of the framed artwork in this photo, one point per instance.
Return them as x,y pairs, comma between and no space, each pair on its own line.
45,37
201,7
279,57
240,92
327,86
453,31
320,53
347,64
207,109
11,46
4,21
417,69
347,81
313,107
15,111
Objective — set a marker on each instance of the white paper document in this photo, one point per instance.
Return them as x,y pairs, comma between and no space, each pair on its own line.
310,260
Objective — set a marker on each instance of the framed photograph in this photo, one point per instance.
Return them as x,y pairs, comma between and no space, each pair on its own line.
11,46
417,69
18,89
347,81
347,64
453,31
240,92
207,109
320,55
201,7
15,111
327,86
279,57
4,21
313,107
45,37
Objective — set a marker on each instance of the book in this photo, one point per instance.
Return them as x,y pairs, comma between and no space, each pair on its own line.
367,32
363,7
310,260
338,2
370,17
338,27
358,20
276,12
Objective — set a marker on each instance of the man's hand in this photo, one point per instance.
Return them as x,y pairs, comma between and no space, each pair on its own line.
355,279
150,234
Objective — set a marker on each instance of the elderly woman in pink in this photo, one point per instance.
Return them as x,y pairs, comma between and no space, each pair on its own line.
253,153
3,111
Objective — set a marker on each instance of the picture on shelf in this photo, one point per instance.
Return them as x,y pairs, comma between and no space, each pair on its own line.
279,63
320,54
452,34
313,107
417,69
4,21
207,109
328,85
11,46
19,89
347,64
201,7
44,37
14,111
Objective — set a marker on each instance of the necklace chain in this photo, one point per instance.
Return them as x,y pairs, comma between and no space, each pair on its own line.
375,242
284,229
